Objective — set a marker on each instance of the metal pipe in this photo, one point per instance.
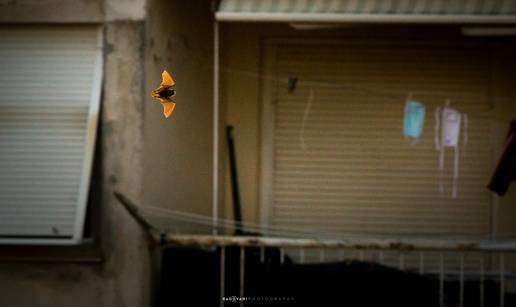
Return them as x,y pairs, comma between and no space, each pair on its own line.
461,281
222,274
441,280
502,280
215,201
421,263
481,282
237,211
242,276
351,243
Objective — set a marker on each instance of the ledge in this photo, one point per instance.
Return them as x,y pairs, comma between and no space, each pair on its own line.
350,243
83,253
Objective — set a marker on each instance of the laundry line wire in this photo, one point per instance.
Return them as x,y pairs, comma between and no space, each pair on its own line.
225,223
278,231
310,83
305,82
198,58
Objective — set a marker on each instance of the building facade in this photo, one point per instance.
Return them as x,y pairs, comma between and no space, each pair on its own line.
316,102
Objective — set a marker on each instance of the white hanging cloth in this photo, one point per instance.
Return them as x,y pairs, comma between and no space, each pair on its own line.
447,135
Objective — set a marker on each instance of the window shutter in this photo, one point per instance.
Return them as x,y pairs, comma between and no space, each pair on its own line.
50,80
341,165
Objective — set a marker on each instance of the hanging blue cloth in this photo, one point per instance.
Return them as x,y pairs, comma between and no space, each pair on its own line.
414,119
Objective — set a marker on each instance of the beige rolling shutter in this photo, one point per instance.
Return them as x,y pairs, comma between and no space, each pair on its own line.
340,164
49,99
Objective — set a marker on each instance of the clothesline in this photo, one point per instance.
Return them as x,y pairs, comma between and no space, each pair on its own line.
286,235
269,230
351,87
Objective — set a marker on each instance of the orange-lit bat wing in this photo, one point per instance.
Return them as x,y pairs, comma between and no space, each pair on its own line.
164,92
167,79
168,107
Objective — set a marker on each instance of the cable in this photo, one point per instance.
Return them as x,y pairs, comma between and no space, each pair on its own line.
224,223
278,230
327,84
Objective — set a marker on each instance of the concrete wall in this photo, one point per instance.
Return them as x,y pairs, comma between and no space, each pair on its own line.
124,276
178,150
123,242
75,11
240,95
52,11
163,162
241,56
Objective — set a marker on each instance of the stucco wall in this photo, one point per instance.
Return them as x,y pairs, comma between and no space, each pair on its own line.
168,161
124,276
178,150
52,11
75,11
240,95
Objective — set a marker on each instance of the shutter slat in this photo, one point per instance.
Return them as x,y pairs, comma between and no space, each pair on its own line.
342,166
47,81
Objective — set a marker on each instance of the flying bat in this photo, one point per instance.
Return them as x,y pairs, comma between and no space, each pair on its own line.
164,93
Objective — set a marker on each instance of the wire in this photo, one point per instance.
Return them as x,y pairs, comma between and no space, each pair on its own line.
338,86
278,231
224,223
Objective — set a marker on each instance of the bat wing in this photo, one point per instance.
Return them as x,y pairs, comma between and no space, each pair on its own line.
168,107
167,79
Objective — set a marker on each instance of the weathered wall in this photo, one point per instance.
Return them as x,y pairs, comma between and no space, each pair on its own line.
123,242
124,277
75,11
240,51
124,9
53,11
240,93
178,150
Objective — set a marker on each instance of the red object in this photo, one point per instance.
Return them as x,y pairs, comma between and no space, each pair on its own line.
505,171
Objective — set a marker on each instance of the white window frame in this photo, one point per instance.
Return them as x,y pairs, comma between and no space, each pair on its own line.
91,135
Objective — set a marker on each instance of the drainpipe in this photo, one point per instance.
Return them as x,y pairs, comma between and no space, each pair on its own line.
215,202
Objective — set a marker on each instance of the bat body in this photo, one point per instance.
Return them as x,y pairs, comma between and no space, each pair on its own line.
164,94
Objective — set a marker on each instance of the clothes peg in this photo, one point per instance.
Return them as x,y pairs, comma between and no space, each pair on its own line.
291,85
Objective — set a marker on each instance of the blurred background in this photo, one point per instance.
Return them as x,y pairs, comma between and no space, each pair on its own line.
312,141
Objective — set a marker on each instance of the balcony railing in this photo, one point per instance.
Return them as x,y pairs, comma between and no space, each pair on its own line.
456,261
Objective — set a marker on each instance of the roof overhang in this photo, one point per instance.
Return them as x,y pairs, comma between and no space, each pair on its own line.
368,11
